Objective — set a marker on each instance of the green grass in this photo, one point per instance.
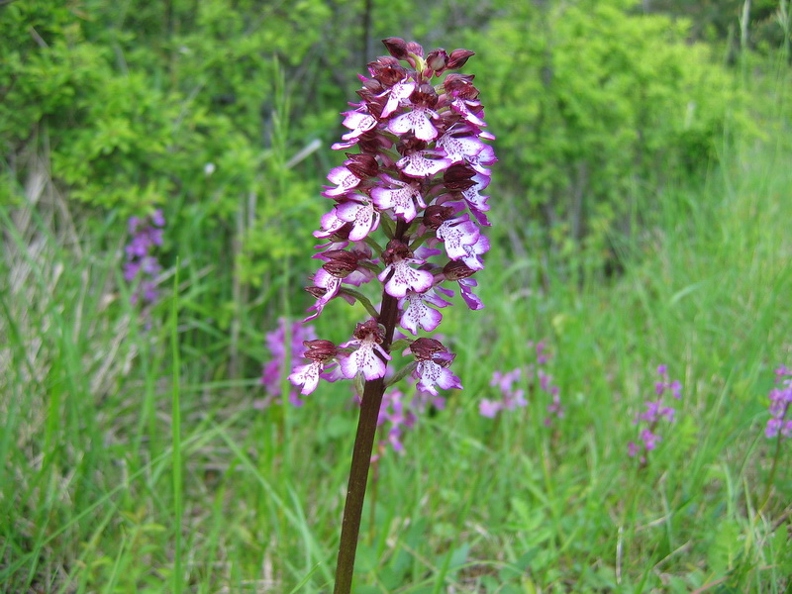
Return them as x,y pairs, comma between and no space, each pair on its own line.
133,467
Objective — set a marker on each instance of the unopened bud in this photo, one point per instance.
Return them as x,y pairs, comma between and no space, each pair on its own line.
437,60
397,47
458,58
460,85
425,349
396,250
320,350
362,165
456,270
340,263
459,177
424,96
435,215
370,328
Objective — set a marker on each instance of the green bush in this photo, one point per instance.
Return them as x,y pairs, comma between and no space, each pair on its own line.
592,103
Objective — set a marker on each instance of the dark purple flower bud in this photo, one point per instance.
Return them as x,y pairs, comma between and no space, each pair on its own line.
387,70
437,60
415,48
341,263
370,329
459,177
458,58
424,96
426,349
396,250
435,215
371,142
372,85
410,144
320,350
397,47
456,270
362,165
460,85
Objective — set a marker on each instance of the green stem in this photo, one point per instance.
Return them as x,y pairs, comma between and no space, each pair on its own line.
361,454
771,478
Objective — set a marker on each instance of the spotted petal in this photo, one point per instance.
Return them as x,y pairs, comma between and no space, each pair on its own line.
401,199
344,180
397,95
416,120
306,377
365,359
430,374
363,217
405,278
418,314
417,164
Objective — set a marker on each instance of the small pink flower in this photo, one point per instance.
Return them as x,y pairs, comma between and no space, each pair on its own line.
432,369
457,234
489,408
368,357
402,278
422,163
419,121
418,314
398,95
402,199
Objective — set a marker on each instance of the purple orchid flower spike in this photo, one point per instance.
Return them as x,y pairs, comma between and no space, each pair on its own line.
141,267
654,413
780,424
414,187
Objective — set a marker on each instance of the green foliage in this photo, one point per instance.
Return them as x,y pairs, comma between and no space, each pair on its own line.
139,105
87,430
593,104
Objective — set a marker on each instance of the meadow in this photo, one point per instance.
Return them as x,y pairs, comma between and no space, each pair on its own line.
90,494
141,452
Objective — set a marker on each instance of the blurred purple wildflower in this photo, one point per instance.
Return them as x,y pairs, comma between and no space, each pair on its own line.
780,400
283,357
655,412
140,265
399,413
512,397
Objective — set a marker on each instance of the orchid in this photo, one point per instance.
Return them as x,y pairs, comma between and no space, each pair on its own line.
779,424
655,411
146,235
416,180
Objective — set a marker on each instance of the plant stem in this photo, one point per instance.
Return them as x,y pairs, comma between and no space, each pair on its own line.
361,454
771,478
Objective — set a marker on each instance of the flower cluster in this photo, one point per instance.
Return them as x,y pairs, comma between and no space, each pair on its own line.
655,412
780,401
418,179
279,350
511,397
140,264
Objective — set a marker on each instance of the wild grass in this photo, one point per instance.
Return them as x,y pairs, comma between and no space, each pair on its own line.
132,465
